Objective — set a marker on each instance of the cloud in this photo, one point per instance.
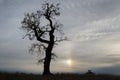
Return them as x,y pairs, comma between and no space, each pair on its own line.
98,29
91,25
108,70
95,42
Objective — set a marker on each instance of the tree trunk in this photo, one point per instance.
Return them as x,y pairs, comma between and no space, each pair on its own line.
47,66
49,52
48,59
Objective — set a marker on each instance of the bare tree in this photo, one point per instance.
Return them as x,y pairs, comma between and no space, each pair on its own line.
43,27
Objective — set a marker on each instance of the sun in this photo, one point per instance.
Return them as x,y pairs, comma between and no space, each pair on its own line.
69,62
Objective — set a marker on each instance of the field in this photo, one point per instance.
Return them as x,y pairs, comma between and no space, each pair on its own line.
23,76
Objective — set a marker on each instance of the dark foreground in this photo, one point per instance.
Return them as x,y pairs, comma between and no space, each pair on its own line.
23,76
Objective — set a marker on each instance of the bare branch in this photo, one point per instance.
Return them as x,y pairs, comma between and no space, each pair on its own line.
39,37
51,10
31,23
53,56
41,60
38,48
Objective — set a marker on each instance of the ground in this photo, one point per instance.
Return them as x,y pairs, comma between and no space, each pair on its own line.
63,76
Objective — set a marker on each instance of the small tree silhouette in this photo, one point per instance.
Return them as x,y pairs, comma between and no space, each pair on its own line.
43,26
90,72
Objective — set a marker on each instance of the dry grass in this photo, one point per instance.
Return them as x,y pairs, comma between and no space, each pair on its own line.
23,76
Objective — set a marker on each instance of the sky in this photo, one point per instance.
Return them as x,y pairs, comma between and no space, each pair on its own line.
92,27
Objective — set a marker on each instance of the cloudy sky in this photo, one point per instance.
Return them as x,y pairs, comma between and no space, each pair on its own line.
92,26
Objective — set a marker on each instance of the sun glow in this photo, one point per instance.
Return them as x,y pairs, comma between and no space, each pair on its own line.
69,62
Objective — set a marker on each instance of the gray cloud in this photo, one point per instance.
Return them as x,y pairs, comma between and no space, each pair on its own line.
91,25
108,70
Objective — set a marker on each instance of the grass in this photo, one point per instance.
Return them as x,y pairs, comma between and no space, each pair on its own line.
23,76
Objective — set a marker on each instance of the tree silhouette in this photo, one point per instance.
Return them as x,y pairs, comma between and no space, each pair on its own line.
43,27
